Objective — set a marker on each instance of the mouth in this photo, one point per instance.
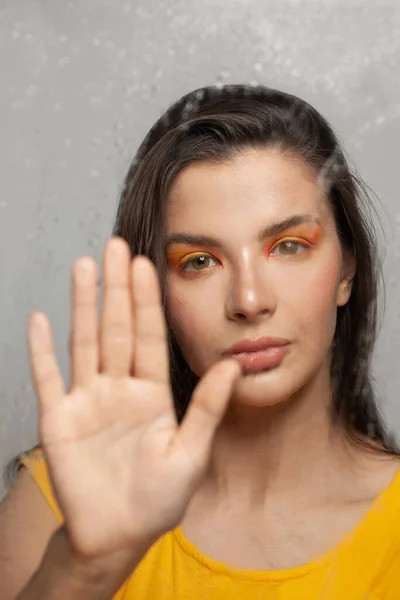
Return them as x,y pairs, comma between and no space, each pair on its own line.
258,355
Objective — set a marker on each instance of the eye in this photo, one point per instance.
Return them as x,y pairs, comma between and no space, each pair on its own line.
290,248
199,263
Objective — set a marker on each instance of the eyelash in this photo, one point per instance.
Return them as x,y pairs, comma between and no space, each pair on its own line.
301,244
183,266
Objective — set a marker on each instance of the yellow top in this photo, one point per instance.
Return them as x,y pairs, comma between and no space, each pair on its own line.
364,566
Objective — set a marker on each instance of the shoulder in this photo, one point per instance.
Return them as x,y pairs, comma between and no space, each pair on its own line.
26,524
379,548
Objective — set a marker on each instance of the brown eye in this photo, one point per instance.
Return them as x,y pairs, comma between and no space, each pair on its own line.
289,248
198,263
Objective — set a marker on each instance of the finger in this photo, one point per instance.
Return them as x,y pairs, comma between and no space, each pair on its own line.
45,372
206,409
151,343
116,330
84,335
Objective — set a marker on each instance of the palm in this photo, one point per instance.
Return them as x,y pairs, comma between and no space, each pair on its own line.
112,442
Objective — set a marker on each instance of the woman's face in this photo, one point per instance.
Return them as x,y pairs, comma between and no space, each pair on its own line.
253,277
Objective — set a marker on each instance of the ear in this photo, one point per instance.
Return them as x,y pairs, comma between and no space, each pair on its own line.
346,278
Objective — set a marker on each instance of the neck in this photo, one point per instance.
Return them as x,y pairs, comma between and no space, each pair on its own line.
280,450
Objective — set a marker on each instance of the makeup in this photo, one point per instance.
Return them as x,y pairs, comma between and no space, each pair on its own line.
180,254
308,234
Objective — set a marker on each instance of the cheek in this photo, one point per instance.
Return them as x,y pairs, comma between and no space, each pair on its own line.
315,300
183,317
193,324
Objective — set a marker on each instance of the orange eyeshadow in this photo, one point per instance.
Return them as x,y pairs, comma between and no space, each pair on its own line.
179,253
308,232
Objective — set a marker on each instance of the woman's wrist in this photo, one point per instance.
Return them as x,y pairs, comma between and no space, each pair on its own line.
64,575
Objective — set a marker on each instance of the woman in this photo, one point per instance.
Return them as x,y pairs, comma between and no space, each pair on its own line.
220,436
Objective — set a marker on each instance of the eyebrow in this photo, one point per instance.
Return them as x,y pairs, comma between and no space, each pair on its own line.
268,232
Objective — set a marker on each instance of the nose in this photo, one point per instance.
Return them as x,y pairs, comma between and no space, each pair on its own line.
251,293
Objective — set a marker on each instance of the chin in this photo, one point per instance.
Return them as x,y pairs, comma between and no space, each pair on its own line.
265,388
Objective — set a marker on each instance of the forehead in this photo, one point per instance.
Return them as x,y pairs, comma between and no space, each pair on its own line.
255,185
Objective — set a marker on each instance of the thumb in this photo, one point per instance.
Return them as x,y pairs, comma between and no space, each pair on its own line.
206,408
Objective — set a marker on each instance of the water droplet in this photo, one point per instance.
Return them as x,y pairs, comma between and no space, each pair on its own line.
94,173
3,204
127,8
365,127
57,107
278,44
380,119
96,41
93,241
184,127
65,60
16,34
199,95
258,66
31,91
17,104
68,141
154,88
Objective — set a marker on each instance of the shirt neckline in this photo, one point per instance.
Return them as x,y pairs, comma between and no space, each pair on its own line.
355,541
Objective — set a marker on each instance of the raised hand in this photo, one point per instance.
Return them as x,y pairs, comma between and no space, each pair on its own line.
122,469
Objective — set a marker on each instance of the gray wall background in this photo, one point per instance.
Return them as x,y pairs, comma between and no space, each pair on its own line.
82,82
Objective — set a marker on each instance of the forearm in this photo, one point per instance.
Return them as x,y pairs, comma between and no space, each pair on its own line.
62,576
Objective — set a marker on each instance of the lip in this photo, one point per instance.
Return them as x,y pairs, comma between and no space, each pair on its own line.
258,355
258,345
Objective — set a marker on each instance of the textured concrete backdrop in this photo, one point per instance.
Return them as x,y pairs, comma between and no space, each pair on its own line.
81,82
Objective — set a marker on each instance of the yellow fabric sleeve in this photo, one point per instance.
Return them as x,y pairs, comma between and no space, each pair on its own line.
36,465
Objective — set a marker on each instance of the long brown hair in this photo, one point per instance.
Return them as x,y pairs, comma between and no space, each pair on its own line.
215,124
